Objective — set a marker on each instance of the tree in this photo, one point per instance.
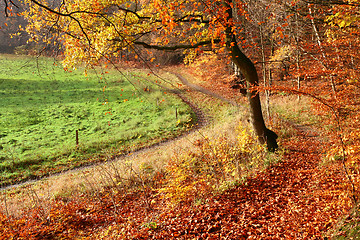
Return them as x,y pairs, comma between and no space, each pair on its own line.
95,30
248,69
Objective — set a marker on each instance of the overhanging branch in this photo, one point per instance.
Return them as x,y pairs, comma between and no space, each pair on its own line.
175,47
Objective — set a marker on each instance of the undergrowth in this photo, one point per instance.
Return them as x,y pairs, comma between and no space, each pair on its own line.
348,227
214,165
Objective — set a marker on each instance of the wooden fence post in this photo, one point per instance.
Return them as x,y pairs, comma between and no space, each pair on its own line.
77,137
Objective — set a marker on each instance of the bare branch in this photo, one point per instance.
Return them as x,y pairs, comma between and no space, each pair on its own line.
6,8
331,2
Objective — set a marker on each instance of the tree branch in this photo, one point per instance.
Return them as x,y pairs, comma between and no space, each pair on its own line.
175,47
331,2
7,7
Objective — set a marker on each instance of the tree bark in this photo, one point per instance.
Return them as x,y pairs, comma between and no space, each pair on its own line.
249,71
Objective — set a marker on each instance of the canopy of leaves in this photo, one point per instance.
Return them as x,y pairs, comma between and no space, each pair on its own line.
103,29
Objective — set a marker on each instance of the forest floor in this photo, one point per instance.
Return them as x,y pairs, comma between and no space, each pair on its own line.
299,197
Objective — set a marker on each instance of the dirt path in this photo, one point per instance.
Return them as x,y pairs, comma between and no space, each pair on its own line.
203,90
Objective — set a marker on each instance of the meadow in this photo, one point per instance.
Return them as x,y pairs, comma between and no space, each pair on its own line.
42,106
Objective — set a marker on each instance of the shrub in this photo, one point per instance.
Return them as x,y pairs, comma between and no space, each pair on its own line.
212,166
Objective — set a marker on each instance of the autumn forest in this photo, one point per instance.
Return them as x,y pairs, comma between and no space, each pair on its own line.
194,119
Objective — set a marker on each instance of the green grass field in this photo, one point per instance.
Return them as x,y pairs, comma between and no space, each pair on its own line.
42,106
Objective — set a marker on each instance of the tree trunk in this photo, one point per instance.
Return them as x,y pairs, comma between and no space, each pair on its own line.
248,69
